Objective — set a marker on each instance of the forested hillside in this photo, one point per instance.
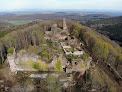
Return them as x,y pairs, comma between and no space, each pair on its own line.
98,45
31,36
107,21
111,27
113,31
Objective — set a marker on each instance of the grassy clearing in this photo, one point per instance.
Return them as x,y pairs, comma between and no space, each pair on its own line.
19,22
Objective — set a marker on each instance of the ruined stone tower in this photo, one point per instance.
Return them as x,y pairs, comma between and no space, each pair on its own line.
54,28
64,24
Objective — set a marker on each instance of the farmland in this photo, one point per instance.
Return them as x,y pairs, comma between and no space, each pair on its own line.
19,22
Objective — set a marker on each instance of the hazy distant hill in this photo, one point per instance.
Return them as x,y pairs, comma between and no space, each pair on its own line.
96,16
107,21
10,18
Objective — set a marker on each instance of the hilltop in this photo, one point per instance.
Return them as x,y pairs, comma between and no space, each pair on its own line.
56,46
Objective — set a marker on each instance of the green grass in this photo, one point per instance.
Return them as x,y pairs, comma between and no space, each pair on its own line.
19,22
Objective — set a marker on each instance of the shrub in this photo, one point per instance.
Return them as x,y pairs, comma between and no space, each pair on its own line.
58,65
2,34
11,50
36,66
40,65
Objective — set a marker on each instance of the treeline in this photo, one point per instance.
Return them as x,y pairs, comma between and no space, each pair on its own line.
101,48
106,21
23,37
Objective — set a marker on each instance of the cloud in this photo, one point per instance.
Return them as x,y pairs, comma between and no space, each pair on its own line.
61,4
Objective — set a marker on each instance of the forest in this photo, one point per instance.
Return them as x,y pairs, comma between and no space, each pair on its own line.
111,27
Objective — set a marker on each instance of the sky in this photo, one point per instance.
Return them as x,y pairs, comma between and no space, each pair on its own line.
60,4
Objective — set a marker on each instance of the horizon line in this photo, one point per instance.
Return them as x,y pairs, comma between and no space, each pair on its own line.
63,10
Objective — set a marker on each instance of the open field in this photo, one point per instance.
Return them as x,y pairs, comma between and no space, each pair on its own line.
19,22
